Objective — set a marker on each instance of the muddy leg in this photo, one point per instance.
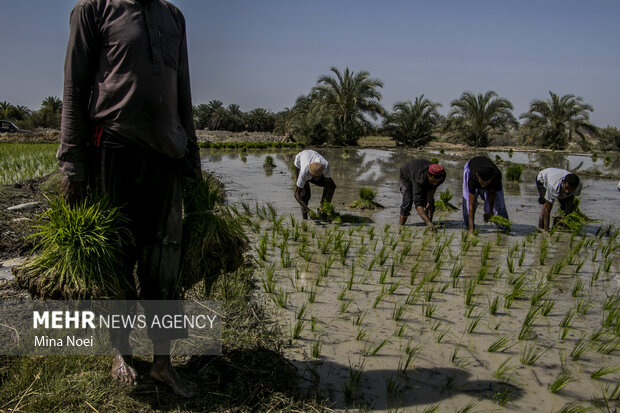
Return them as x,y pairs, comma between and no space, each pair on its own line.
163,372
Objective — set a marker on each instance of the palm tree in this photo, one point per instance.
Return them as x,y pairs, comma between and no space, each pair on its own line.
413,123
553,123
476,118
260,120
52,104
349,97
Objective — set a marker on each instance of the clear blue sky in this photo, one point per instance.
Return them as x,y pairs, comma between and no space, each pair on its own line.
266,53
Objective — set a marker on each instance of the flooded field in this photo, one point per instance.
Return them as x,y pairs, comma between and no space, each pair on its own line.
389,318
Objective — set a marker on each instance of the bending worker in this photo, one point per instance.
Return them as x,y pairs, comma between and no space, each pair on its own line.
481,177
419,180
310,166
552,184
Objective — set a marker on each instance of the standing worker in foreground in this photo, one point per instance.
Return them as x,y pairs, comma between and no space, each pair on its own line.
419,180
311,167
128,133
552,184
481,177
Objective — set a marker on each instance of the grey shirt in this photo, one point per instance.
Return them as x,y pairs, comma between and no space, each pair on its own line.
126,70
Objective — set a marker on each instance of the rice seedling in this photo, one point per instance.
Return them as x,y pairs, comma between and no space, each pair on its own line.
557,267
383,255
547,306
382,294
352,386
316,349
297,329
414,271
361,334
504,372
542,289
502,344
528,323
565,324
371,349
573,407
493,304
561,381
484,253
398,311
262,247
400,330
281,298
510,264
583,305
443,203
383,276
301,312
482,274
513,172
504,396
412,298
581,347
285,259
468,407
429,309
608,347
371,233
532,352
469,293
603,371
522,257
432,408
457,269
455,359
473,325
442,334
428,293
544,251
367,199
312,294
343,306
404,252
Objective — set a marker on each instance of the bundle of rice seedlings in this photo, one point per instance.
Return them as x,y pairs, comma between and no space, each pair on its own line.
443,203
213,237
269,163
79,251
326,212
367,199
513,173
501,221
573,221
345,154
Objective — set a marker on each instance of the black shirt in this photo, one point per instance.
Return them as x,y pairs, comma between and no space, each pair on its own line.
476,165
414,173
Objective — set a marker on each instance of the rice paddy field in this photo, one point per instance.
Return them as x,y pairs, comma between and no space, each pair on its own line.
379,317
22,161
392,318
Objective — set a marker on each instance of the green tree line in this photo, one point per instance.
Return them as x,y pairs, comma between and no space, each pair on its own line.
341,106
48,116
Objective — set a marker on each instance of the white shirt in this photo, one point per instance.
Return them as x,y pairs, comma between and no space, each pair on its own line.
303,160
552,179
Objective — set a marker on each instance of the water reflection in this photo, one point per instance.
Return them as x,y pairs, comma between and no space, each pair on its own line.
247,181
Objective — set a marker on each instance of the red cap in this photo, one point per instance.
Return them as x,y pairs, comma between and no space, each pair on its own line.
436,169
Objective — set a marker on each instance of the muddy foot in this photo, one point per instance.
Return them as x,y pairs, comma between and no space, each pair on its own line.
122,370
168,375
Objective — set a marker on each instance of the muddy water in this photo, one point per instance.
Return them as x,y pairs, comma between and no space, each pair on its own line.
246,180
351,304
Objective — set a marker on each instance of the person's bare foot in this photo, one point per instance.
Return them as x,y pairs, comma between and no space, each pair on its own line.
122,370
163,372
